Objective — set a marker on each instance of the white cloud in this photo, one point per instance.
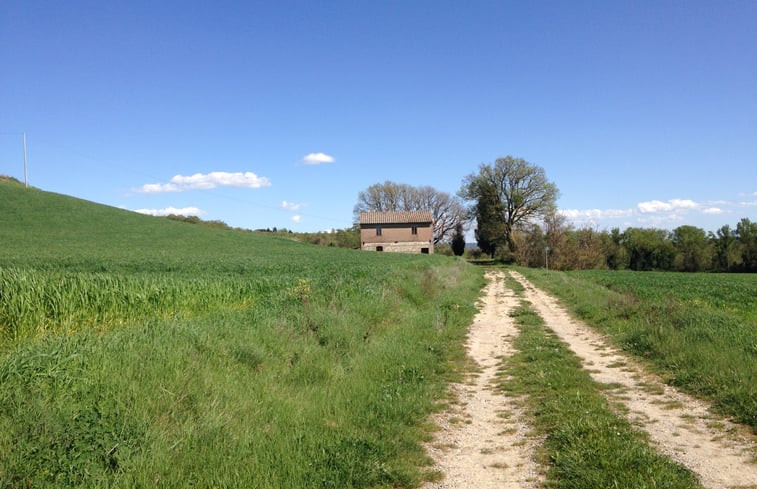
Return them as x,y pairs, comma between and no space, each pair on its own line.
290,206
594,214
655,206
317,158
204,181
683,204
656,213
297,218
184,211
713,210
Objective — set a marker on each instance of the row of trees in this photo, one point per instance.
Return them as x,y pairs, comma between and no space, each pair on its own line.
513,207
686,248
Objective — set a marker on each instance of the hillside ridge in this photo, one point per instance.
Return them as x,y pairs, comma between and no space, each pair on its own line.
41,228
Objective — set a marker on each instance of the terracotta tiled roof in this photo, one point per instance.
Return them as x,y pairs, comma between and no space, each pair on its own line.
402,217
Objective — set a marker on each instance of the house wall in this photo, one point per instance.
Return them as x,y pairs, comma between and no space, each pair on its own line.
397,237
401,247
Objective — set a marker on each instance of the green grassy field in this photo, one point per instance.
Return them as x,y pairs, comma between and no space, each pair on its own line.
141,352
698,330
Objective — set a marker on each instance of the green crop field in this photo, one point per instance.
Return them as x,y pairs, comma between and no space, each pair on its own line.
699,330
141,352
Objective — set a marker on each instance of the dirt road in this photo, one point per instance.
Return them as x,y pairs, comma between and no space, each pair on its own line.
483,442
477,447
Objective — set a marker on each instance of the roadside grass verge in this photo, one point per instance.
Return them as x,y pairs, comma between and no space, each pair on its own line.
326,381
698,330
587,444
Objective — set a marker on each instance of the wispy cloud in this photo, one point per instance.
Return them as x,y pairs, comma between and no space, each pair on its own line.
290,206
205,181
317,158
184,211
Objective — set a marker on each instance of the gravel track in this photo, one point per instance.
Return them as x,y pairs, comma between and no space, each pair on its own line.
484,440
483,443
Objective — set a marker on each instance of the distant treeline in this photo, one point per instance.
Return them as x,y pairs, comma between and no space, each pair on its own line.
686,248
562,247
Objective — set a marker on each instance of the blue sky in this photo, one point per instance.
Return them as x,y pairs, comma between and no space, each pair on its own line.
266,114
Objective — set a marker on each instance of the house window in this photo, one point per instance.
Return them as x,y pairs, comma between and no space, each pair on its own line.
378,231
415,229
379,248
424,251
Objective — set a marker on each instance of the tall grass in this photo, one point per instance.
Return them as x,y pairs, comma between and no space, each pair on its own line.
141,352
698,330
35,303
319,387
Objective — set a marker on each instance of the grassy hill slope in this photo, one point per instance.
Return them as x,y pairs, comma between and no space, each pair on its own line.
44,229
137,351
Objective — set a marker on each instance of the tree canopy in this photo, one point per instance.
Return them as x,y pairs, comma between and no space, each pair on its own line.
509,193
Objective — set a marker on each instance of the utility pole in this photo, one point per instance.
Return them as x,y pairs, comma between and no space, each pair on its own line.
26,174
546,257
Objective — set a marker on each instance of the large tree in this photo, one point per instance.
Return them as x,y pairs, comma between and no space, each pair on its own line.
522,190
447,210
649,249
694,252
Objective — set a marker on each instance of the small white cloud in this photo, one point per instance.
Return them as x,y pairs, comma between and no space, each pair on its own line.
155,188
184,211
713,210
683,204
290,206
654,206
297,218
671,205
317,158
205,181
593,214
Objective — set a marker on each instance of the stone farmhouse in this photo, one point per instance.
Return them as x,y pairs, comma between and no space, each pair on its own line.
404,232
